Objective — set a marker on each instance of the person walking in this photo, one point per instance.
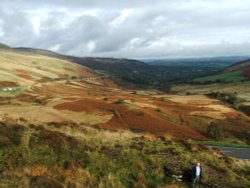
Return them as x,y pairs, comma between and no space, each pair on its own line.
197,174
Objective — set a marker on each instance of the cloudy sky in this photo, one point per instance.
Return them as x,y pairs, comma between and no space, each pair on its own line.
128,28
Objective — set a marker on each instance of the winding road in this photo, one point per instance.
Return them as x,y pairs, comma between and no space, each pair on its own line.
242,153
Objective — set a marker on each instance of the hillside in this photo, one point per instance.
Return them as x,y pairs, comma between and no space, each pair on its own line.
3,46
60,91
71,155
233,81
26,69
132,73
238,72
144,75
239,66
65,125
243,67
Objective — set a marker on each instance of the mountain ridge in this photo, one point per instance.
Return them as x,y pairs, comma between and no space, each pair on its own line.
133,73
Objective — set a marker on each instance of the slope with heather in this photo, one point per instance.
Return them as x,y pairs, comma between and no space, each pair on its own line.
65,125
75,155
48,89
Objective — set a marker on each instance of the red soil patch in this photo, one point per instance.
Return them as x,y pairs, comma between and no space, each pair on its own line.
131,119
26,98
58,89
21,71
85,105
25,76
8,84
147,119
3,101
232,115
149,122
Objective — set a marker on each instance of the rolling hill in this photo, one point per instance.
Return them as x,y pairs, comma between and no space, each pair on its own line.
132,73
67,125
233,81
238,72
243,66
65,91
27,69
62,90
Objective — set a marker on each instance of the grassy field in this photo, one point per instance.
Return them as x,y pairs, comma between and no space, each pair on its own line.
225,143
226,77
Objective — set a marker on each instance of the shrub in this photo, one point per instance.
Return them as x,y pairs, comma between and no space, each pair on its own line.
119,101
46,79
67,82
134,92
245,109
158,110
162,99
215,131
230,98
137,130
105,98
140,113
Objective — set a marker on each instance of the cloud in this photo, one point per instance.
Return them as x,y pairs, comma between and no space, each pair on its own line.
131,29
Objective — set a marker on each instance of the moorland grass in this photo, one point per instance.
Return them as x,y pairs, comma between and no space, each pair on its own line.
101,158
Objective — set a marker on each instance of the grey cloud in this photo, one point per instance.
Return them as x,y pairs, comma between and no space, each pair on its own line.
110,4
16,28
148,29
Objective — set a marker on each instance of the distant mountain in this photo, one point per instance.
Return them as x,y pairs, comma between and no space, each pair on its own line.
110,64
214,62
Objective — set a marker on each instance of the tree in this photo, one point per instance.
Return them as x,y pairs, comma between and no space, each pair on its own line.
215,131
